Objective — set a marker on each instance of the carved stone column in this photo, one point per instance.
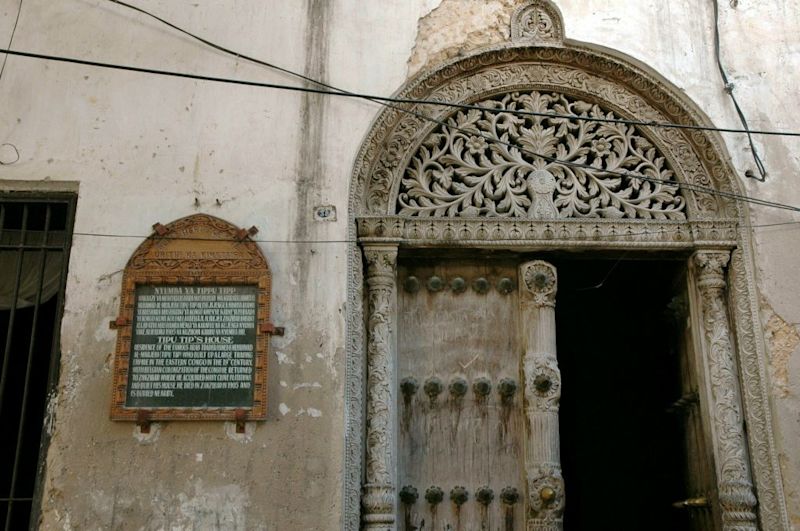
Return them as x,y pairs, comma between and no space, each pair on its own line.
733,471
378,500
542,393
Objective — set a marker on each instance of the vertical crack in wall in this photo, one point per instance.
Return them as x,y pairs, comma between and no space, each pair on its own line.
310,164
782,340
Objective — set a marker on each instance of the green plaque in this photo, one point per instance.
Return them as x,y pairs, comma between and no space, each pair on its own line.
193,346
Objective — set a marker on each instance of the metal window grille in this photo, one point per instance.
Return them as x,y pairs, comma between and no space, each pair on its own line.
35,239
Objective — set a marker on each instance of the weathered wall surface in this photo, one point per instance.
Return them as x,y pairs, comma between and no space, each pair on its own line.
147,149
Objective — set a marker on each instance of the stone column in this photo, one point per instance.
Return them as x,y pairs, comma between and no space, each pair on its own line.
378,499
542,393
733,471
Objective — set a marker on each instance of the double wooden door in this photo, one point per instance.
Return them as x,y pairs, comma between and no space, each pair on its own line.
478,400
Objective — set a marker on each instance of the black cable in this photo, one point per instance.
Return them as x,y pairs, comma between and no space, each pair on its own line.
12,146
729,89
383,100
11,39
686,186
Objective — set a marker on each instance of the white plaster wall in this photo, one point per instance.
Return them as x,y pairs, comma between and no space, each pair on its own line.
147,149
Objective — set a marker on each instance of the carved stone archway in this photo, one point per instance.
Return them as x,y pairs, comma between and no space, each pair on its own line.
456,182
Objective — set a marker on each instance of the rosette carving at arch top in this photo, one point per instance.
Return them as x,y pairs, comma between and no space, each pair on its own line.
694,157
537,21
462,170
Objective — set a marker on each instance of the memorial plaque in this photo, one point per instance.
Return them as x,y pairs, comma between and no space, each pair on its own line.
193,326
193,346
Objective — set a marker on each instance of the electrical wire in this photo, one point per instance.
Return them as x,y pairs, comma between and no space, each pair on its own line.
729,88
11,39
385,100
686,186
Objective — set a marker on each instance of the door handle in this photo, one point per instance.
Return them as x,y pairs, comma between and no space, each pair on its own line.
692,503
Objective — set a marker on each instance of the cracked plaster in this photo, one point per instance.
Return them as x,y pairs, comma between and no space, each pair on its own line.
782,341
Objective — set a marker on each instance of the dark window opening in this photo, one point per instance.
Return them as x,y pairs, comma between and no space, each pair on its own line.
35,237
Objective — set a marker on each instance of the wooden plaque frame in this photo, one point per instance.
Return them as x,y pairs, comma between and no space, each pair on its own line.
198,250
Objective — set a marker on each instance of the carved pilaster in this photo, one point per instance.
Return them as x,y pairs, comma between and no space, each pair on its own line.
733,471
378,500
542,394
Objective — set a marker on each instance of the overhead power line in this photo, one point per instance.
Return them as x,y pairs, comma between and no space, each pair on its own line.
686,186
383,100
11,39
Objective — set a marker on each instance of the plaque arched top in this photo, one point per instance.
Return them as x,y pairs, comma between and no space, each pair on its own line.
193,326
198,243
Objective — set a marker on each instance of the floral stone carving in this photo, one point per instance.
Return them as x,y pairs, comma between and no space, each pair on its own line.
537,21
499,163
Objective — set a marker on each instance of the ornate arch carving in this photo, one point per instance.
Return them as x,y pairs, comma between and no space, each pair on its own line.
586,77
576,72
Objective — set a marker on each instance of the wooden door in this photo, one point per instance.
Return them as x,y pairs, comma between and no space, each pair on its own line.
699,500
460,404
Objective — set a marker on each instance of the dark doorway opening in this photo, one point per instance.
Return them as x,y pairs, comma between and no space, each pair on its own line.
623,453
35,237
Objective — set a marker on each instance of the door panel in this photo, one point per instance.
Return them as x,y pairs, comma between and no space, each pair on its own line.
460,401
701,499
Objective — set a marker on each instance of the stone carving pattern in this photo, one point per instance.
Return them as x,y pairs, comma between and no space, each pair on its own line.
378,499
772,511
457,172
540,281
354,381
560,233
543,384
538,21
547,513
735,486
695,154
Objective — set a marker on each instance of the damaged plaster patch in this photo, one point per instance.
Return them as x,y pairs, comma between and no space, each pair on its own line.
212,508
147,438
306,385
782,340
456,27
244,438
311,412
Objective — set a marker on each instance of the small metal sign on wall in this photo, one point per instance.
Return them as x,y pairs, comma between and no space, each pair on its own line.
193,327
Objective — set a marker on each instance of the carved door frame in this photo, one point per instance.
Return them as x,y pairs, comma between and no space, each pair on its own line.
714,232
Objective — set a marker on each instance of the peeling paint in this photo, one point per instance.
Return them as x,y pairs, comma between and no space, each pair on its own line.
284,409
283,359
458,26
311,412
306,385
782,340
